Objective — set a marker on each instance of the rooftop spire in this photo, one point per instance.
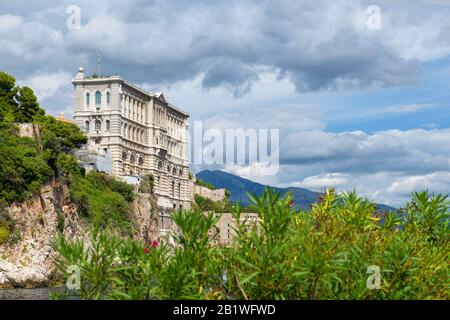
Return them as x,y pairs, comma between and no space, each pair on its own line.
98,65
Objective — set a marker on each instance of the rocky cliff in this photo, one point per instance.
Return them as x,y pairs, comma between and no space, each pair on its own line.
28,259
144,214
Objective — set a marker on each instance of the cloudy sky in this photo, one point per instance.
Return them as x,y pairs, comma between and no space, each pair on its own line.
357,107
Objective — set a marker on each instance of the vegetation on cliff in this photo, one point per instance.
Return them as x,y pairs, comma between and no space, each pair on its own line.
29,162
205,184
206,204
329,252
103,201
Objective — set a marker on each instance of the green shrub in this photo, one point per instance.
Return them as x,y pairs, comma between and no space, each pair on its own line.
147,184
103,201
205,184
7,225
322,254
81,201
4,234
125,189
40,219
68,165
206,204
61,220
60,136
14,237
5,219
23,167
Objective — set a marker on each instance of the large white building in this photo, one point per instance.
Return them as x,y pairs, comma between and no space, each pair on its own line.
140,131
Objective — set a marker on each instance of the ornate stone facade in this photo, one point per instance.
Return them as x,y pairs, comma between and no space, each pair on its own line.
143,132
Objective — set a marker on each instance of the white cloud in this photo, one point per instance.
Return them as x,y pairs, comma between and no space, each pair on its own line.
392,150
436,182
385,166
324,180
408,108
198,52
24,41
230,42
46,85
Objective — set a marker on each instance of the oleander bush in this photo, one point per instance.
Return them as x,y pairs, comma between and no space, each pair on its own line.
329,252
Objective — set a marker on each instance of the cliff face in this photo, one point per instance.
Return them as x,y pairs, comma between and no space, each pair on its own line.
145,217
29,260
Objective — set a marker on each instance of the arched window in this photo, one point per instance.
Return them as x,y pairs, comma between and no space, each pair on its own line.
132,159
87,126
179,189
108,125
124,156
108,98
88,99
141,161
125,130
98,99
98,125
173,189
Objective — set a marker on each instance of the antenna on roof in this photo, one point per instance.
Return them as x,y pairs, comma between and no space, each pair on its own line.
98,65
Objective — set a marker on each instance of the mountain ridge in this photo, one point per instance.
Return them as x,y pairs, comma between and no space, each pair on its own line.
238,186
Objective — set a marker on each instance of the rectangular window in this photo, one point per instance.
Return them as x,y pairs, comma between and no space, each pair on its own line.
98,99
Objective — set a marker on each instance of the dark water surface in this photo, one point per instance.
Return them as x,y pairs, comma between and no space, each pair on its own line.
27,294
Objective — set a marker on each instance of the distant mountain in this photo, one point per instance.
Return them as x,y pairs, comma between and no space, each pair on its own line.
238,187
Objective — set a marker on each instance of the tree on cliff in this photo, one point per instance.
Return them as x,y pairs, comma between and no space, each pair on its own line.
17,104
27,107
8,92
26,164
